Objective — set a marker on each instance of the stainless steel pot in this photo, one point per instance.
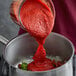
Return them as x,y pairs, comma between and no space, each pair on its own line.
24,46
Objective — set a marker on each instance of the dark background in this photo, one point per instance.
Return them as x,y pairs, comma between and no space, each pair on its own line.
7,27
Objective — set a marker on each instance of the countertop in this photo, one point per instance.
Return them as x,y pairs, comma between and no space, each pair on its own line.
8,28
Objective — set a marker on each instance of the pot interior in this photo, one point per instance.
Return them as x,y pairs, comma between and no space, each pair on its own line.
24,46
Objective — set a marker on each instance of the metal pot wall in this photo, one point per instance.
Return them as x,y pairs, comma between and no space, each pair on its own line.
25,46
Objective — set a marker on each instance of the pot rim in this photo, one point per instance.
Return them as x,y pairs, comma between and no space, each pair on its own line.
24,71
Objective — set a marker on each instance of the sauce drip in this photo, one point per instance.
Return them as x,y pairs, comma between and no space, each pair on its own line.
38,20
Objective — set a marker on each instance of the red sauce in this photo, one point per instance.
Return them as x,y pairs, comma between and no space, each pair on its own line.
38,20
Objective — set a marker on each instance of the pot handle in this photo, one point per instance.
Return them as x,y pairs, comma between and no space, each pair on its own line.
3,40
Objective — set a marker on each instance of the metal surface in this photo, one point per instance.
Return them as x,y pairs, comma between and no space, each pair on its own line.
25,46
3,39
4,68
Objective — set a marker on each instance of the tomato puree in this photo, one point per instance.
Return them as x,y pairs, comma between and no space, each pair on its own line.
38,20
